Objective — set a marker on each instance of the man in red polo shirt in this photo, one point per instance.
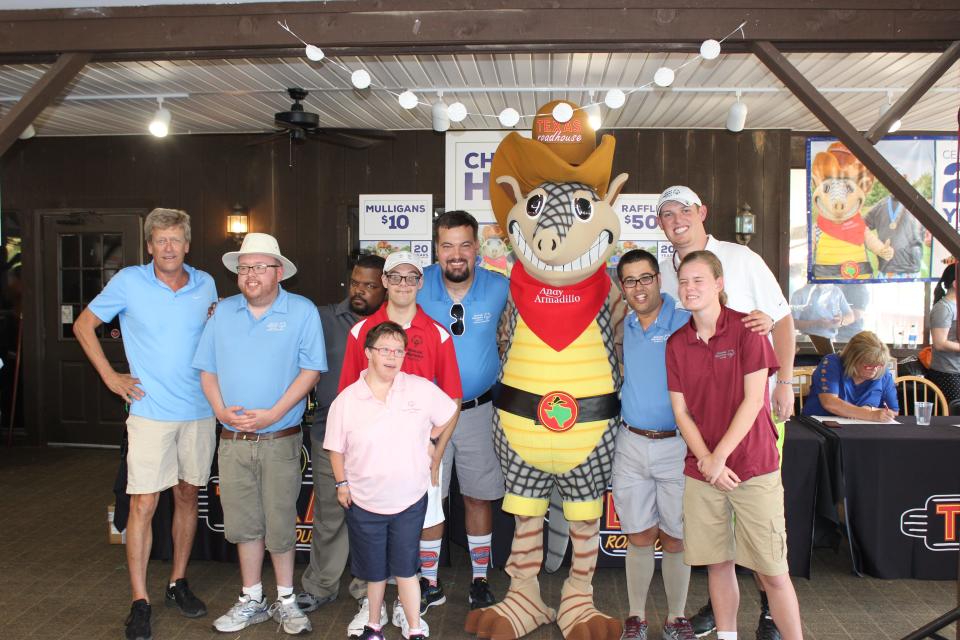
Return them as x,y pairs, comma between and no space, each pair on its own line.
430,354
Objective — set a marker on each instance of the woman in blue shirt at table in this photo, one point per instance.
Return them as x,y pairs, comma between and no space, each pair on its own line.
854,383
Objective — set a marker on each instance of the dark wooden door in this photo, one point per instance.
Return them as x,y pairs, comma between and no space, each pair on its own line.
81,252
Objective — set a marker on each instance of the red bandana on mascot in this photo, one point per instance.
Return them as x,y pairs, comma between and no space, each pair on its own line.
557,409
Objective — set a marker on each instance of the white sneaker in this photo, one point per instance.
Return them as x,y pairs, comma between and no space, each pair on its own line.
399,619
355,628
291,618
241,615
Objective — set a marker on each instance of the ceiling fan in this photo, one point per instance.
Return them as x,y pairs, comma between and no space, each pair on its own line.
300,125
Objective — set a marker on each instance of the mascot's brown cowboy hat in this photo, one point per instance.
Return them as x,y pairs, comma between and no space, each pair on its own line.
558,152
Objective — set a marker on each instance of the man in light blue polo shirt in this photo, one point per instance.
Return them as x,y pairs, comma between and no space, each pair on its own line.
259,356
171,432
649,456
468,301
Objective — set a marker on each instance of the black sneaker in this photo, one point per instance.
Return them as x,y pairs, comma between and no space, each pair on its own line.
370,634
703,621
480,595
766,628
180,596
430,595
138,622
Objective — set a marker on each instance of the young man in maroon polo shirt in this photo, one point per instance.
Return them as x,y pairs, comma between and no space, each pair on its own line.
717,374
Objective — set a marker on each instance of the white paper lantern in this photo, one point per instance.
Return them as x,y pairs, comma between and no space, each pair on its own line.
408,99
360,79
509,117
663,77
457,112
615,98
710,49
314,53
562,112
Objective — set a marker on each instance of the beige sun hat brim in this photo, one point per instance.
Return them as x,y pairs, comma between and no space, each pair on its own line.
263,244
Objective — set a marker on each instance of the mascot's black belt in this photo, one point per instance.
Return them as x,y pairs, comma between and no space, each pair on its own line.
849,268
530,405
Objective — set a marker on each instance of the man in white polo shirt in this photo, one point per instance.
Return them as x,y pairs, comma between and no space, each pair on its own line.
751,288
162,308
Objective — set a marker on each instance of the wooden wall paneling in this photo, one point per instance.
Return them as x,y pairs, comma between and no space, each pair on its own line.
626,159
649,162
428,150
305,246
699,163
749,183
776,205
727,175
184,190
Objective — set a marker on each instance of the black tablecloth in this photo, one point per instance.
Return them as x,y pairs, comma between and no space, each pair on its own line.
901,484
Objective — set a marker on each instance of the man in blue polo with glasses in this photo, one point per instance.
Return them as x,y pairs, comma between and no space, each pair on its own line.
469,302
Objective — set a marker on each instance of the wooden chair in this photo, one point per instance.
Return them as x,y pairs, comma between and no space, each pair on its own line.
802,379
923,390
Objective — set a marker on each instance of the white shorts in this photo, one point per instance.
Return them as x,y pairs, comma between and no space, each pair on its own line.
434,504
648,483
162,452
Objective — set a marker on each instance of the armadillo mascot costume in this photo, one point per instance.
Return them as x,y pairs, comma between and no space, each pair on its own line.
558,405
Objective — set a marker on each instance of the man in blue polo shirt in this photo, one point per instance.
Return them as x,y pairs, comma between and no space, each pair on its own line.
170,429
649,456
468,301
259,356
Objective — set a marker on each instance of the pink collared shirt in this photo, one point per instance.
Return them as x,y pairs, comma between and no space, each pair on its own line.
385,444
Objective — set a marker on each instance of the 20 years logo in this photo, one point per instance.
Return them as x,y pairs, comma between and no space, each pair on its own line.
937,523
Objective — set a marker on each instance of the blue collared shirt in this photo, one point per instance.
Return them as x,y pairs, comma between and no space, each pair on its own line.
644,399
257,359
477,355
161,328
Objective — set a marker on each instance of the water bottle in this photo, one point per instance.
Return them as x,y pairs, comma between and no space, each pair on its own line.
912,337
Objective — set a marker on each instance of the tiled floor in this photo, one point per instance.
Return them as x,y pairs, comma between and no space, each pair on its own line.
60,579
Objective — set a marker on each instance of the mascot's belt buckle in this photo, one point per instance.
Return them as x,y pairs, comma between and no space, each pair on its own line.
558,411
849,269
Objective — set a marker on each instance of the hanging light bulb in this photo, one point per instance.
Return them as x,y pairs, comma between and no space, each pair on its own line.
562,112
160,125
710,49
441,117
408,99
883,111
593,116
663,77
28,133
314,53
457,112
615,98
737,117
509,117
360,79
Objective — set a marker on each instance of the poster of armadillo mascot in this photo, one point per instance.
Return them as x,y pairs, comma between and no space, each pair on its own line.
558,405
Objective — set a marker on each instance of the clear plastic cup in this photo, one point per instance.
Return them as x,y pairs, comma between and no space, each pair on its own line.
923,411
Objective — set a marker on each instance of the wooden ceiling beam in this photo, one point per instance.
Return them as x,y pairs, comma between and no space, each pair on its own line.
914,93
494,23
839,126
34,101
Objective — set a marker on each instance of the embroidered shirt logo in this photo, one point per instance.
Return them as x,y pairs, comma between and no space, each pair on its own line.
481,318
277,325
726,353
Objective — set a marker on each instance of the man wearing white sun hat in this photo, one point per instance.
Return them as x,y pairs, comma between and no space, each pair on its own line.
261,352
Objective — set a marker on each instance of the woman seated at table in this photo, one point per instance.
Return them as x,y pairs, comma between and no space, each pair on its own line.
854,383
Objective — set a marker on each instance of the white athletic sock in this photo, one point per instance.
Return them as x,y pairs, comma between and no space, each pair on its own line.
284,592
480,553
255,592
726,635
430,559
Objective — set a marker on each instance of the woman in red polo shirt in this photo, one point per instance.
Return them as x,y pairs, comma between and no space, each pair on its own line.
717,376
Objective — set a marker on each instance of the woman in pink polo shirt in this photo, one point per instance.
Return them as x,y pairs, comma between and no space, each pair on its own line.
717,373
379,433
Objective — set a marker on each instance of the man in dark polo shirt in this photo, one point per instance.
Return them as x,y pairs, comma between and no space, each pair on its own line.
329,546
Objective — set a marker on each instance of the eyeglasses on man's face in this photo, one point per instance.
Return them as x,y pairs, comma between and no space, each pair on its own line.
456,312
644,279
386,352
244,269
395,278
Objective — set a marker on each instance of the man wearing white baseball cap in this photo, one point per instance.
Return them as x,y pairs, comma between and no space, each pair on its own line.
260,354
752,289
429,354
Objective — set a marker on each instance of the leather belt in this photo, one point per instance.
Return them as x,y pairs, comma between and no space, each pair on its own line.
648,433
226,434
524,404
483,398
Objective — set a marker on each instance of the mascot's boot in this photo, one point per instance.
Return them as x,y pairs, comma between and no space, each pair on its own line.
522,609
578,618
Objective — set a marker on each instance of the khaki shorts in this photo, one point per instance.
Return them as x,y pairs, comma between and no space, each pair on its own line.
162,452
756,539
259,488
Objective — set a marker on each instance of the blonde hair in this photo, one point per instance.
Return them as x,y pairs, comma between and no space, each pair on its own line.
708,258
864,348
164,219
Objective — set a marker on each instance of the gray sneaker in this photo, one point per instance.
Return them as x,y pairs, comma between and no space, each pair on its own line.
634,629
309,602
360,620
679,629
294,621
244,613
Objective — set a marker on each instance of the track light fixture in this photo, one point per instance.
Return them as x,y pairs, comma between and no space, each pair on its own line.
160,125
886,107
737,118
